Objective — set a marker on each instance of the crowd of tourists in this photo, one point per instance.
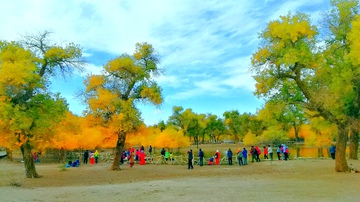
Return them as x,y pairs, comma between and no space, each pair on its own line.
132,155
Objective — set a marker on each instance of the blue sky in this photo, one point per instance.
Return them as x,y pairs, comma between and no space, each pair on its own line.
205,46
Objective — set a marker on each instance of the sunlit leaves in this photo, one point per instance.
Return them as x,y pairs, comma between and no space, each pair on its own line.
354,39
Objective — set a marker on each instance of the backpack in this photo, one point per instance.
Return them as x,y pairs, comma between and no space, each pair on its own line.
258,151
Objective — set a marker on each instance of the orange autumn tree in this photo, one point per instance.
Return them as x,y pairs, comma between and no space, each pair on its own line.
112,96
171,138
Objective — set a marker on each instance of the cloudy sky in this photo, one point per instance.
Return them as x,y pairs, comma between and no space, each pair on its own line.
205,45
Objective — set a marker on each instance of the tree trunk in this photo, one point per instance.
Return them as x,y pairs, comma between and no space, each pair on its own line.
320,152
9,154
30,170
297,151
354,144
118,150
340,154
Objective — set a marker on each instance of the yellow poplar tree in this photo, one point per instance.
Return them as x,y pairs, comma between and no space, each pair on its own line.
112,95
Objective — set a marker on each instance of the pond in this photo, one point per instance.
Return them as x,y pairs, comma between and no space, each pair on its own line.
295,151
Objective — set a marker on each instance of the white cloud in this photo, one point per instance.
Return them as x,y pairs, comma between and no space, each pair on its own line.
205,46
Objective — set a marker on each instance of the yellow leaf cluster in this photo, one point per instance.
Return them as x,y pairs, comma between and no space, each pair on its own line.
152,93
354,39
93,82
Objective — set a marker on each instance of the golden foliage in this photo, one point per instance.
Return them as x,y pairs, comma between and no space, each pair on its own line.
249,139
354,39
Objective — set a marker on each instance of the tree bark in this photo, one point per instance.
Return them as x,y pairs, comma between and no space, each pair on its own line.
30,170
354,144
340,154
118,150
9,154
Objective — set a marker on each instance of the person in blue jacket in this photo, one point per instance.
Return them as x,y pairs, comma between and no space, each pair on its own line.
229,155
244,152
332,151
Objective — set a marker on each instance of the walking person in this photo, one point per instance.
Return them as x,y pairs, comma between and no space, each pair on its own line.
201,157
190,159
270,151
258,152
265,153
245,154
253,153
229,155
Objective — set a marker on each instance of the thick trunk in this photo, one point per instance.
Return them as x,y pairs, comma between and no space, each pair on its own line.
30,170
9,154
354,144
340,154
118,150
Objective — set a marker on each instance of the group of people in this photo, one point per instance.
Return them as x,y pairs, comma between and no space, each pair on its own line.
241,155
93,156
132,155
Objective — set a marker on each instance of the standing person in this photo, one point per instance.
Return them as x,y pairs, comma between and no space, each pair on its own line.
131,159
217,157
201,157
278,151
265,153
229,155
190,158
245,154
332,151
286,150
282,151
86,157
239,157
150,149
92,158
142,157
96,155
163,152
270,151
167,155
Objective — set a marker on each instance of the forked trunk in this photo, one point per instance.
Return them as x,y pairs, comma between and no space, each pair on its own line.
118,150
30,170
354,144
340,154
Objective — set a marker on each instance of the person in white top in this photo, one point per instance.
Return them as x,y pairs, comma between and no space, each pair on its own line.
270,151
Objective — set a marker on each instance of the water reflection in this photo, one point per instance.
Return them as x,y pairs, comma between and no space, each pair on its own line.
295,151
314,152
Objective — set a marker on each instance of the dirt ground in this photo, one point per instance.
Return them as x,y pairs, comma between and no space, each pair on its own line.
294,180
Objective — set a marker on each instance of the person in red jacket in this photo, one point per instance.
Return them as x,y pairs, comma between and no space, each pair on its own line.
217,157
265,153
142,157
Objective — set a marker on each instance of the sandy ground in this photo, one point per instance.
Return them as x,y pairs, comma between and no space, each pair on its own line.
294,180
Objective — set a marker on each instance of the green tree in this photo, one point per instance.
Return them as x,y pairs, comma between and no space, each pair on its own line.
111,96
215,127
